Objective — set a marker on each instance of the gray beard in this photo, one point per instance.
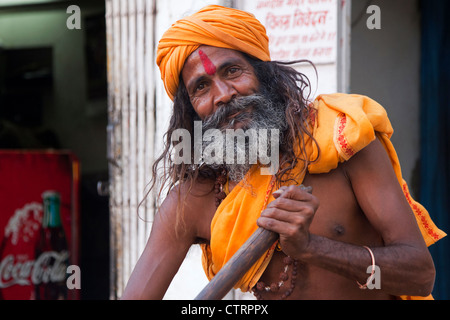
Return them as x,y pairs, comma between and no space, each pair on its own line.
254,112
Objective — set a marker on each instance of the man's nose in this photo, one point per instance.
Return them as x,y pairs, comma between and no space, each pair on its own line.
224,93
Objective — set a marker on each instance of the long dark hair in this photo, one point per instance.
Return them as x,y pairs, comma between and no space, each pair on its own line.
290,88
281,83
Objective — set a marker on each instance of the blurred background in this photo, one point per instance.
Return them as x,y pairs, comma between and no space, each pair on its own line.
96,93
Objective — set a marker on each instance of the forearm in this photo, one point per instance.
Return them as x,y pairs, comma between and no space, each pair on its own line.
404,269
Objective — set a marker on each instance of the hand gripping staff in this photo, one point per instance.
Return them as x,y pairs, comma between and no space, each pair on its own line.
255,246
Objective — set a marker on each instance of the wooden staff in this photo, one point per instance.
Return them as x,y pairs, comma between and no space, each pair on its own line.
255,246
258,243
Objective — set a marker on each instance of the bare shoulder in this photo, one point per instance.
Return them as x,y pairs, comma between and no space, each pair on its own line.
372,167
380,195
373,154
189,208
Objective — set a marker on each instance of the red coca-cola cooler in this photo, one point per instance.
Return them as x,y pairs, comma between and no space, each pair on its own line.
39,225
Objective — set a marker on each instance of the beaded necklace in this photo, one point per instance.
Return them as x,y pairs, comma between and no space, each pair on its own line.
277,286
261,287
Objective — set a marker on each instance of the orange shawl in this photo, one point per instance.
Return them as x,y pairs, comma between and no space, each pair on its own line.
343,125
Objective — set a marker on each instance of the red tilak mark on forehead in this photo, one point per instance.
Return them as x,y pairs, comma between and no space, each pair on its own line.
210,68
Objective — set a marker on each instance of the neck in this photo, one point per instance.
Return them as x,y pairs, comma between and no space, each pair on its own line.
232,184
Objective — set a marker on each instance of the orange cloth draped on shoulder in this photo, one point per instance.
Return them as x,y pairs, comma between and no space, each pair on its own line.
215,26
343,125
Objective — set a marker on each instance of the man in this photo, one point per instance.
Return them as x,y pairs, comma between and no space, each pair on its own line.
216,67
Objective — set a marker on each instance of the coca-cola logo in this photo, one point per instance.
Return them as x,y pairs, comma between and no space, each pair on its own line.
50,266
25,223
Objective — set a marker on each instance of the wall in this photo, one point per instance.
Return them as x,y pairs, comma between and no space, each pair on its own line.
385,65
312,30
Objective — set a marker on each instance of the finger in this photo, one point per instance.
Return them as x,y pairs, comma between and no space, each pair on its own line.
291,199
283,227
279,192
301,193
274,225
302,216
287,204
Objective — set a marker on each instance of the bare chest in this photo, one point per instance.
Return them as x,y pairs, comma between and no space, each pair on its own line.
339,218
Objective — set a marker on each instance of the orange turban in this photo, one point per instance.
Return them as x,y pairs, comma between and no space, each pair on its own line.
215,26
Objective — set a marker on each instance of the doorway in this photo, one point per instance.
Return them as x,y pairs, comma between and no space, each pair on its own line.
53,95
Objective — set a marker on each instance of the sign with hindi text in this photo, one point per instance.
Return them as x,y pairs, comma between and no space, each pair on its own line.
298,29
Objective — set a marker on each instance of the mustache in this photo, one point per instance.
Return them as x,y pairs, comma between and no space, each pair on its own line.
239,109
253,112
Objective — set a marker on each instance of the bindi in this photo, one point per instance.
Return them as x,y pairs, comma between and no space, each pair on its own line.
210,68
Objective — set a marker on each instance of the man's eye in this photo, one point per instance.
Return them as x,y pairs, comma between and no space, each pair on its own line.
233,70
200,87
